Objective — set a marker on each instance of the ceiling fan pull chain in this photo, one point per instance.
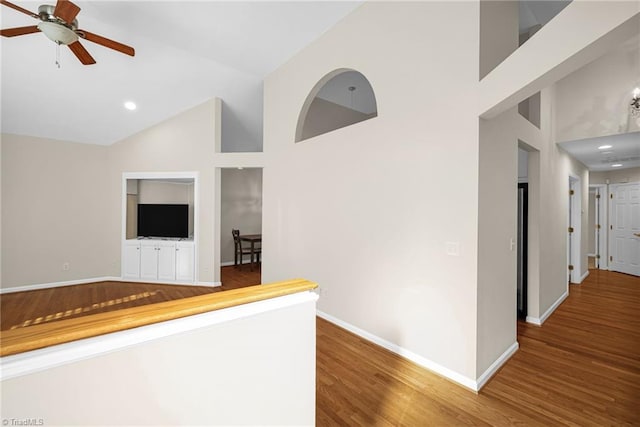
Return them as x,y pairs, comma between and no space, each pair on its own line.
58,55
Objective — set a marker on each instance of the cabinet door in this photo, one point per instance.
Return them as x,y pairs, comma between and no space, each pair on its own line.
167,261
131,261
185,262
149,260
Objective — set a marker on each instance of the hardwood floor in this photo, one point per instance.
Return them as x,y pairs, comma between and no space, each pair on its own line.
234,277
582,367
23,309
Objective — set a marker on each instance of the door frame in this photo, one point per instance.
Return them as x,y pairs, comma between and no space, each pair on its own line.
574,219
523,246
603,208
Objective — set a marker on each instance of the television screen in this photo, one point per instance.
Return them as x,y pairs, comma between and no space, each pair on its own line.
163,220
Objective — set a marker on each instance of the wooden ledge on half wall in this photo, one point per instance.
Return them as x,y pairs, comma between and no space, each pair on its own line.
39,336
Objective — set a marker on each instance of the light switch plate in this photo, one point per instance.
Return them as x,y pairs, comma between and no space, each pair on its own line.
453,248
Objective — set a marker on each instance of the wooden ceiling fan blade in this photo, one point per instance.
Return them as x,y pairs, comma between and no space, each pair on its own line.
81,53
107,42
19,9
19,31
66,10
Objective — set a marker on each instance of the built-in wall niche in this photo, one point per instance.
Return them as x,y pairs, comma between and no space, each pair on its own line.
164,203
167,191
341,98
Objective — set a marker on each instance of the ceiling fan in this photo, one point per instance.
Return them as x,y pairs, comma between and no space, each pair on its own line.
59,24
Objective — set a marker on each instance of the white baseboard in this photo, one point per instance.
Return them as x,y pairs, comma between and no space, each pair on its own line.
164,282
540,320
210,284
58,284
581,279
98,279
496,365
584,276
416,358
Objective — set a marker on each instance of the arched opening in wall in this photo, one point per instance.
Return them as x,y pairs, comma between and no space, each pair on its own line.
341,98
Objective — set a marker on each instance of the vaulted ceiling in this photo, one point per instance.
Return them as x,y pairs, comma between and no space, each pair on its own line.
186,53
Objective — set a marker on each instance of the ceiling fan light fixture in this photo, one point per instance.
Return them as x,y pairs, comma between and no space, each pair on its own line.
58,33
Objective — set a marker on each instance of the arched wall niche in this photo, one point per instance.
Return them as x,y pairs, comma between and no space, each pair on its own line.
341,98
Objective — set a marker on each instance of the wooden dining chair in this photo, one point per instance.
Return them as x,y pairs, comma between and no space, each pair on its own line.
240,251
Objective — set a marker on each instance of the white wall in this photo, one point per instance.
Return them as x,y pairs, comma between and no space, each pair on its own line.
367,210
549,171
595,28
615,176
523,165
63,200
241,207
55,211
184,143
497,229
594,100
257,370
498,32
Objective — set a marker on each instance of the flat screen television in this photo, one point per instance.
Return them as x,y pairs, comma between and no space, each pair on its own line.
163,220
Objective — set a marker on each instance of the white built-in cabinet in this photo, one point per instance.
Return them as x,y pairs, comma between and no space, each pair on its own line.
131,259
159,260
185,261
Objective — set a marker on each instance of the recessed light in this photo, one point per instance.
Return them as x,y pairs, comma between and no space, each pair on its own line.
616,165
607,152
604,147
130,105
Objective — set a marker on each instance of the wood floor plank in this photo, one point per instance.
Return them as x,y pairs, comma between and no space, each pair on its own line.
581,368
23,309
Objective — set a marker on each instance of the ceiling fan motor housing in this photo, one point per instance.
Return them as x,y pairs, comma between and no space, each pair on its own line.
56,29
46,14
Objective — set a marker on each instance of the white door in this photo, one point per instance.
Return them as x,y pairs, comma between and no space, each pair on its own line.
131,262
624,229
167,261
185,262
148,260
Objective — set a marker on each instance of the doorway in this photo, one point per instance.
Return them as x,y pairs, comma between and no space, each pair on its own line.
240,208
523,242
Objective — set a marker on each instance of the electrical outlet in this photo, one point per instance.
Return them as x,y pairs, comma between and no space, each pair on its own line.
65,266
